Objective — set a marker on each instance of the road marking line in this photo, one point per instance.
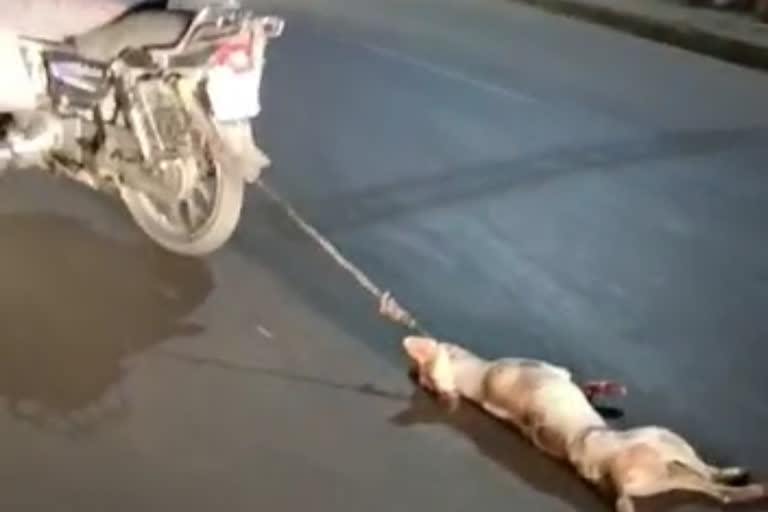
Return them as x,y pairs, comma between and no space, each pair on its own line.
450,74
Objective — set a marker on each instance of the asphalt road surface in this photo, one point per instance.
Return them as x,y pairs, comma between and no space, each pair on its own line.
525,184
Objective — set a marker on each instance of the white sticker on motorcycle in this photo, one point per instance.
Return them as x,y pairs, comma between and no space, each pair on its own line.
234,95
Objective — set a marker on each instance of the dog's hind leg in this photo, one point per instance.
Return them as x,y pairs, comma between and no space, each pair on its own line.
689,457
729,475
686,455
689,477
680,477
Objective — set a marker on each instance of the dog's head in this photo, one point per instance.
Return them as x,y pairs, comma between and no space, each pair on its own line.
432,364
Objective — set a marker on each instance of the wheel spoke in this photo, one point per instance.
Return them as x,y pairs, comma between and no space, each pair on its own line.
194,212
217,198
175,215
202,187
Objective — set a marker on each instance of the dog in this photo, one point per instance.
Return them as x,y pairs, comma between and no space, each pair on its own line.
559,417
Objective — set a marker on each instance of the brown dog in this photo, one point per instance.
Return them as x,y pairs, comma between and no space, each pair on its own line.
557,415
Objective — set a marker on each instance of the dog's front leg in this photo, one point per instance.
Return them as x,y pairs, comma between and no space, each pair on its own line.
450,399
624,504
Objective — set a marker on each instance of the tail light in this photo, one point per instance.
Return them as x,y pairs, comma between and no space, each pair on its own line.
236,53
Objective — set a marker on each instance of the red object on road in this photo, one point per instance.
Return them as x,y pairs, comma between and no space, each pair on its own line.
603,387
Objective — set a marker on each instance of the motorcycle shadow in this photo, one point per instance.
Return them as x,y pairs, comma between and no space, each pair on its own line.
74,305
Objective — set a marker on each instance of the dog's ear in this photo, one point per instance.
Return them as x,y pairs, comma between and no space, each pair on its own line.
420,349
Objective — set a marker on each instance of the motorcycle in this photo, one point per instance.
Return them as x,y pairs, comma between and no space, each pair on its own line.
155,108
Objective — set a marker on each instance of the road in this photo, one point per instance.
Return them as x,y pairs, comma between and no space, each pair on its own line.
525,184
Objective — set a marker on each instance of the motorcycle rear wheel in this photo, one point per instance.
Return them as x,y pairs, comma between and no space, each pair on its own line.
164,228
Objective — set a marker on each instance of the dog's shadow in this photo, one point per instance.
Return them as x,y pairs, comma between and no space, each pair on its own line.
505,446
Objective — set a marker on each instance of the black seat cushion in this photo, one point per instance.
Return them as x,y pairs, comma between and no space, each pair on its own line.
147,25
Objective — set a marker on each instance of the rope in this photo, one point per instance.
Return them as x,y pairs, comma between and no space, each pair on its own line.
389,308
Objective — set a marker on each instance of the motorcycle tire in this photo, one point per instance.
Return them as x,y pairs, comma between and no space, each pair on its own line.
216,229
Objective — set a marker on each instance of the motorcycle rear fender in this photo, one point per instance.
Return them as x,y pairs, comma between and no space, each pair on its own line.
233,141
246,157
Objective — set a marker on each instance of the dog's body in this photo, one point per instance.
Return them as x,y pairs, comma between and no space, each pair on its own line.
557,415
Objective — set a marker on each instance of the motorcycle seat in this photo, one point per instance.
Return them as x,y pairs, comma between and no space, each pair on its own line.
149,24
